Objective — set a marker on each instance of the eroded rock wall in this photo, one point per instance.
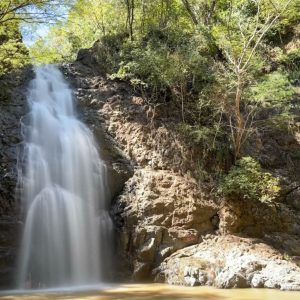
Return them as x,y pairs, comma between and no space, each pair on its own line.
167,221
161,209
164,208
13,111
13,107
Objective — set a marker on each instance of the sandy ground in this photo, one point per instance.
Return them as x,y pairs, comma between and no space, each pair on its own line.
157,292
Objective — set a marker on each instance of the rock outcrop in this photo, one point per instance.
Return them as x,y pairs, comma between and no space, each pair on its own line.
158,213
161,208
13,107
170,226
88,99
230,262
164,214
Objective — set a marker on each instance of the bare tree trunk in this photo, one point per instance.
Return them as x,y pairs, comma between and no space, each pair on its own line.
211,9
239,126
164,13
190,11
130,16
131,19
182,102
143,16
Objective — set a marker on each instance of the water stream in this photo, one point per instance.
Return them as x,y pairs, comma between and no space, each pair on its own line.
67,227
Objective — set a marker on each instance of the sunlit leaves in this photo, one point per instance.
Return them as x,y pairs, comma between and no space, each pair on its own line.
273,90
13,53
248,181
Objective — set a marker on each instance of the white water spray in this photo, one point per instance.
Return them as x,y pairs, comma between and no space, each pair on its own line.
67,228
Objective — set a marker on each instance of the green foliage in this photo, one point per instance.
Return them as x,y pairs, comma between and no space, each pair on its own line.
218,62
13,53
273,90
288,23
13,13
57,51
292,58
246,180
166,60
199,134
88,20
214,155
107,51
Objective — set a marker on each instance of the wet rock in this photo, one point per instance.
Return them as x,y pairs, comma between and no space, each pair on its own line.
118,166
147,252
141,271
194,277
13,108
258,281
231,280
165,252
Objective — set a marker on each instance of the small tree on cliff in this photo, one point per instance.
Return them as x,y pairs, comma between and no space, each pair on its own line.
240,33
246,180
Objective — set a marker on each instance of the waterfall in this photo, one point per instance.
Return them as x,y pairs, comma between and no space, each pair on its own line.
67,227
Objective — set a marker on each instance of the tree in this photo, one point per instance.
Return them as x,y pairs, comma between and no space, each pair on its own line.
246,180
130,6
13,53
190,11
239,36
30,10
200,12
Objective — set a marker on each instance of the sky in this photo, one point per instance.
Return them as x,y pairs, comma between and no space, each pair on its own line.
40,30
31,32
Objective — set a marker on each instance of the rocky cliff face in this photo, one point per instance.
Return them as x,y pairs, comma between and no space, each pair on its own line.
164,216
13,107
170,226
230,262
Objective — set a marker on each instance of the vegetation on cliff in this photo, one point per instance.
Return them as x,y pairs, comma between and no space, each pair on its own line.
13,15
221,66
247,180
196,107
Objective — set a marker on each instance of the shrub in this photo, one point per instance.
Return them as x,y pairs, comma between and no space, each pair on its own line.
13,53
164,60
247,180
107,51
275,90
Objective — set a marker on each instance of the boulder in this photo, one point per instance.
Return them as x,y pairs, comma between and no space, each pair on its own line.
230,262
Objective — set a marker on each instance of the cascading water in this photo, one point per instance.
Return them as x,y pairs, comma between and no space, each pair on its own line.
67,228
